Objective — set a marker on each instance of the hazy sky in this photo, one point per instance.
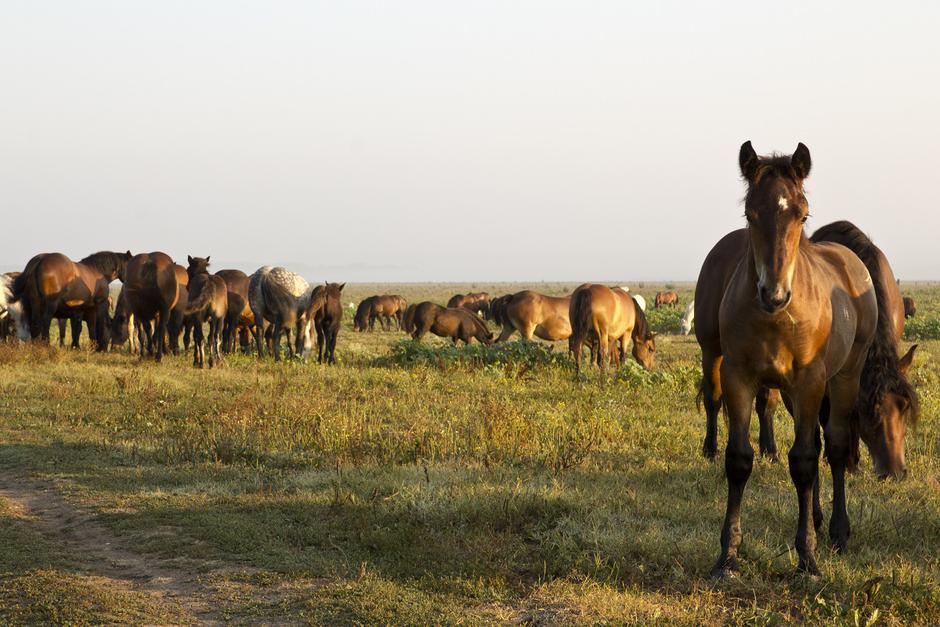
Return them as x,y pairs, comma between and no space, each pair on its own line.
458,141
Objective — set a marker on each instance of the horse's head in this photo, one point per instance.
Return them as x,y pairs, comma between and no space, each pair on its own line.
776,209
883,432
197,265
644,350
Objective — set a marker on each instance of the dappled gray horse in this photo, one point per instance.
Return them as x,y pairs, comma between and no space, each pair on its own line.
279,296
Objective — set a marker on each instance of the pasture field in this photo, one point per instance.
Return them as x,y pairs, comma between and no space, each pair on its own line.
427,485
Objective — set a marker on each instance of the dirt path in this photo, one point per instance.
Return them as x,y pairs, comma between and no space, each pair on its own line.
100,554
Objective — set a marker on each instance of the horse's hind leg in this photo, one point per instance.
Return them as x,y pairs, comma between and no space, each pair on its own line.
711,399
767,401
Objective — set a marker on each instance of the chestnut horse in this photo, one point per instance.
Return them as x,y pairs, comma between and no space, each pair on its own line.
457,323
208,302
801,316
910,309
384,308
609,316
666,298
532,315
327,319
475,301
152,290
52,285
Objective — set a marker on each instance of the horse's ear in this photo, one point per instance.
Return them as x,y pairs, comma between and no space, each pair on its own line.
128,255
189,259
748,161
341,286
905,363
800,161
207,258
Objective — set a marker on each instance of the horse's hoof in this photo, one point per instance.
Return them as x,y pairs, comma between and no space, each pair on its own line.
807,569
725,568
709,453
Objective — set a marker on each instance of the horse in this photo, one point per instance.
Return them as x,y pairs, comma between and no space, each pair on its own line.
152,289
608,316
279,296
476,301
408,319
53,285
802,316
208,302
910,308
384,308
13,322
327,319
685,324
664,299
532,315
456,323
236,283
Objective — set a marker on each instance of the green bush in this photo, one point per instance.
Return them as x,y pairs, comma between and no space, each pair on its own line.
922,328
409,353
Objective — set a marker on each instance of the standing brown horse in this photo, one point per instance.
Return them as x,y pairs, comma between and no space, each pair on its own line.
664,299
208,302
327,319
384,308
800,316
609,316
152,290
52,285
910,309
236,283
533,315
475,301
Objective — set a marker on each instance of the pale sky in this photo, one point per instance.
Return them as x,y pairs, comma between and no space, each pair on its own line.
458,141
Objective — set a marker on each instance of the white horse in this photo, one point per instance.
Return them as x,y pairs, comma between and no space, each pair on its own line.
640,301
281,297
688,318
11,312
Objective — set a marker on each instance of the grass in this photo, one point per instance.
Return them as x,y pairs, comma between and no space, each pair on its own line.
421,484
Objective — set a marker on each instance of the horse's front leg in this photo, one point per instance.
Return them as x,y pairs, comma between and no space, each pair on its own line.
739,393
809,390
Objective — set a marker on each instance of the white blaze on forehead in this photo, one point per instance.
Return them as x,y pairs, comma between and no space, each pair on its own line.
783,203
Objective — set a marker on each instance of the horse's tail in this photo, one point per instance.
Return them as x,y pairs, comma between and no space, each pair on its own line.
581,305
881,373
19,283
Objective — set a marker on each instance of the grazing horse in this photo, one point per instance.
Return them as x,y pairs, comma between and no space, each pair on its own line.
801,316
52,285
13,322
384,308
685,325
327,319
408,319
281,297
609,316
910,308
532,315
152,290
664,299
236,282
457,323
208,302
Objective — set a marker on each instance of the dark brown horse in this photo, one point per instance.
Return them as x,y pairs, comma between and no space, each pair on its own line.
408,319
800,316
666,299
236,282
208,303
609,316
52,285
532,315
152,290
327,319
383,308
910,308
456,323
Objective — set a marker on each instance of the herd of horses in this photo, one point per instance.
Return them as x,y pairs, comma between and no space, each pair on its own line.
813,321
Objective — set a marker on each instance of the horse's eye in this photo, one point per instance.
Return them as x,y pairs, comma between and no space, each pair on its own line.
804,219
